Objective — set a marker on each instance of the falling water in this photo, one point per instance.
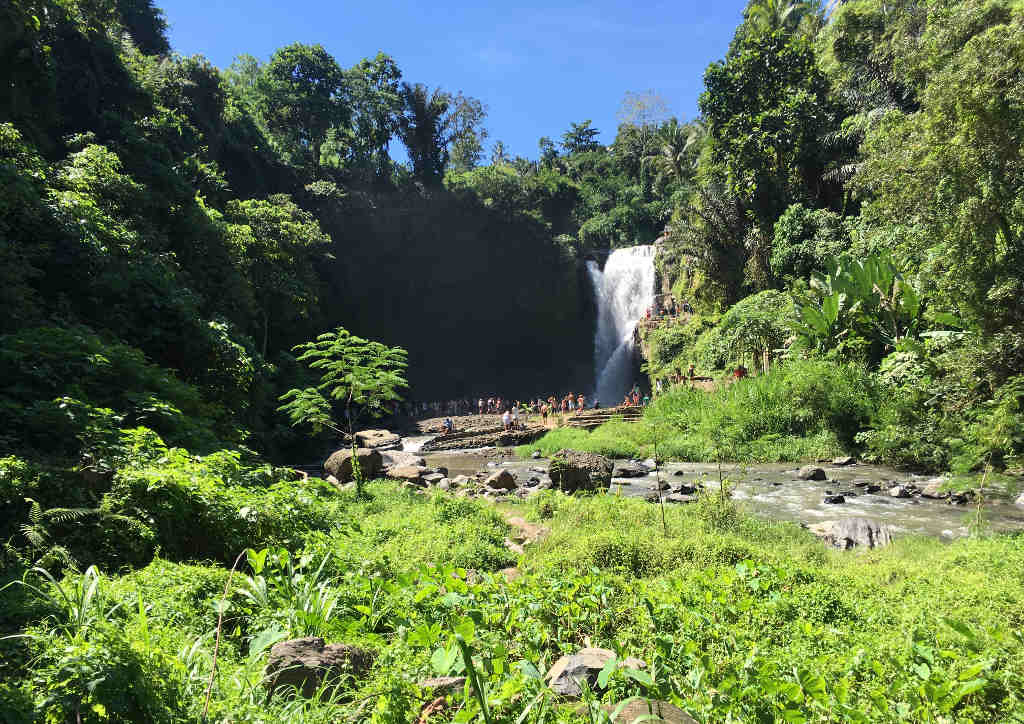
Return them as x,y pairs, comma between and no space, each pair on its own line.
623,292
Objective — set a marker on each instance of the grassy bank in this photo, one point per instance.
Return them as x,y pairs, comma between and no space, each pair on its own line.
802,411
736,618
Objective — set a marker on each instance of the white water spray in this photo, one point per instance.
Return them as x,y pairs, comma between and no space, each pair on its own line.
623,292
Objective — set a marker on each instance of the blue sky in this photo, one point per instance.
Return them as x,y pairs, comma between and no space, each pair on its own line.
536,66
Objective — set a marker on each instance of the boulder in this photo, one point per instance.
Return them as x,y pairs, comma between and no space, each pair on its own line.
535,455
568,672
873,488
501,480
660,486
571,470
444,484
686,489
649,710
835,499
629,470
933,489
396,458
962,498
339,464
843,461
680,498
900,491
433,478
307,663
411,473
850,532
650,463
810,472
460,481
1020,500
378,439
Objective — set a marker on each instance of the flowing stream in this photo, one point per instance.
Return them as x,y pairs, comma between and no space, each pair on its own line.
623,292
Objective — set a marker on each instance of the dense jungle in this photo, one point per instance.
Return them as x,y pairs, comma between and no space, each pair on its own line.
211,276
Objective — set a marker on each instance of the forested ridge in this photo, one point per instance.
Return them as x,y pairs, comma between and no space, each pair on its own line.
848,205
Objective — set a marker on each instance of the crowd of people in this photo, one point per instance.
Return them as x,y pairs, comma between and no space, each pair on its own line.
667,306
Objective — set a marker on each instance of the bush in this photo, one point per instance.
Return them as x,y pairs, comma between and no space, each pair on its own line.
802,410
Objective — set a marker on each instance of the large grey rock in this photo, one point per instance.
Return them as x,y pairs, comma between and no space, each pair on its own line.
569,672
501,480
378,439
811,472
933,489
835,499
629,470
411,473
1020,500
843,461
395,458
339,464
900,491
851,532
433,478
649,710
307,663
571,470
460,481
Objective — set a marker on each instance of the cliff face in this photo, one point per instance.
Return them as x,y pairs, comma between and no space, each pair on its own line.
484,303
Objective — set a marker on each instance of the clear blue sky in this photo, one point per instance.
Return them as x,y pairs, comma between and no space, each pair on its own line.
536,66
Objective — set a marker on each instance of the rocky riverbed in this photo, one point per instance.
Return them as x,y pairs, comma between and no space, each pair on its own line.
905,502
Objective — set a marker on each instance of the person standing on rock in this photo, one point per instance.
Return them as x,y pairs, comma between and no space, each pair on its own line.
580,404
506,420
515,417
544,414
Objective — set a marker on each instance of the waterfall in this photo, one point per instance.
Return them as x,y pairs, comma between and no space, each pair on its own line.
623,292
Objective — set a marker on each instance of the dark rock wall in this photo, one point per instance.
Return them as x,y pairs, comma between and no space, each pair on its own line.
484,303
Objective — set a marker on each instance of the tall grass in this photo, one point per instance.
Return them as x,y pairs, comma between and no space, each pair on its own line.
802,410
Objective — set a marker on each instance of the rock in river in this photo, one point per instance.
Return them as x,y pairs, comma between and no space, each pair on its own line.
629,470
835,499
571,470
378,439
501,480
340,464
810,472
850,532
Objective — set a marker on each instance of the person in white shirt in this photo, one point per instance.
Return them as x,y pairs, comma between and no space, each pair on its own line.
506,419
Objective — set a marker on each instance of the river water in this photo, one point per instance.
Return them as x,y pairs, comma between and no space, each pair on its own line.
775,492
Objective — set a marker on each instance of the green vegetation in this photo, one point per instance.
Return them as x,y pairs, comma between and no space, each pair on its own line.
736,618
802,411
849,206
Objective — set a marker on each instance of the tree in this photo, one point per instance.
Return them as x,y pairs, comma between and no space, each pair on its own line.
548,152
772,15
357,375
302,97
375,96
499,156
580,137
950,177
277,242
437,128
766,107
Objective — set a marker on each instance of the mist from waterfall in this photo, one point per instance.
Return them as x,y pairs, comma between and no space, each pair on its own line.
623,292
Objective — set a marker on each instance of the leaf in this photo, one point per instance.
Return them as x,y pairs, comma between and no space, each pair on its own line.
466,629
443,660
922,671
641,677
960,627
606,672
529,670
812,685
794,716
265,639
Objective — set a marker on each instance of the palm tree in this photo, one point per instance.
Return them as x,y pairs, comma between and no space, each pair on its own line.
772,15
675,153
